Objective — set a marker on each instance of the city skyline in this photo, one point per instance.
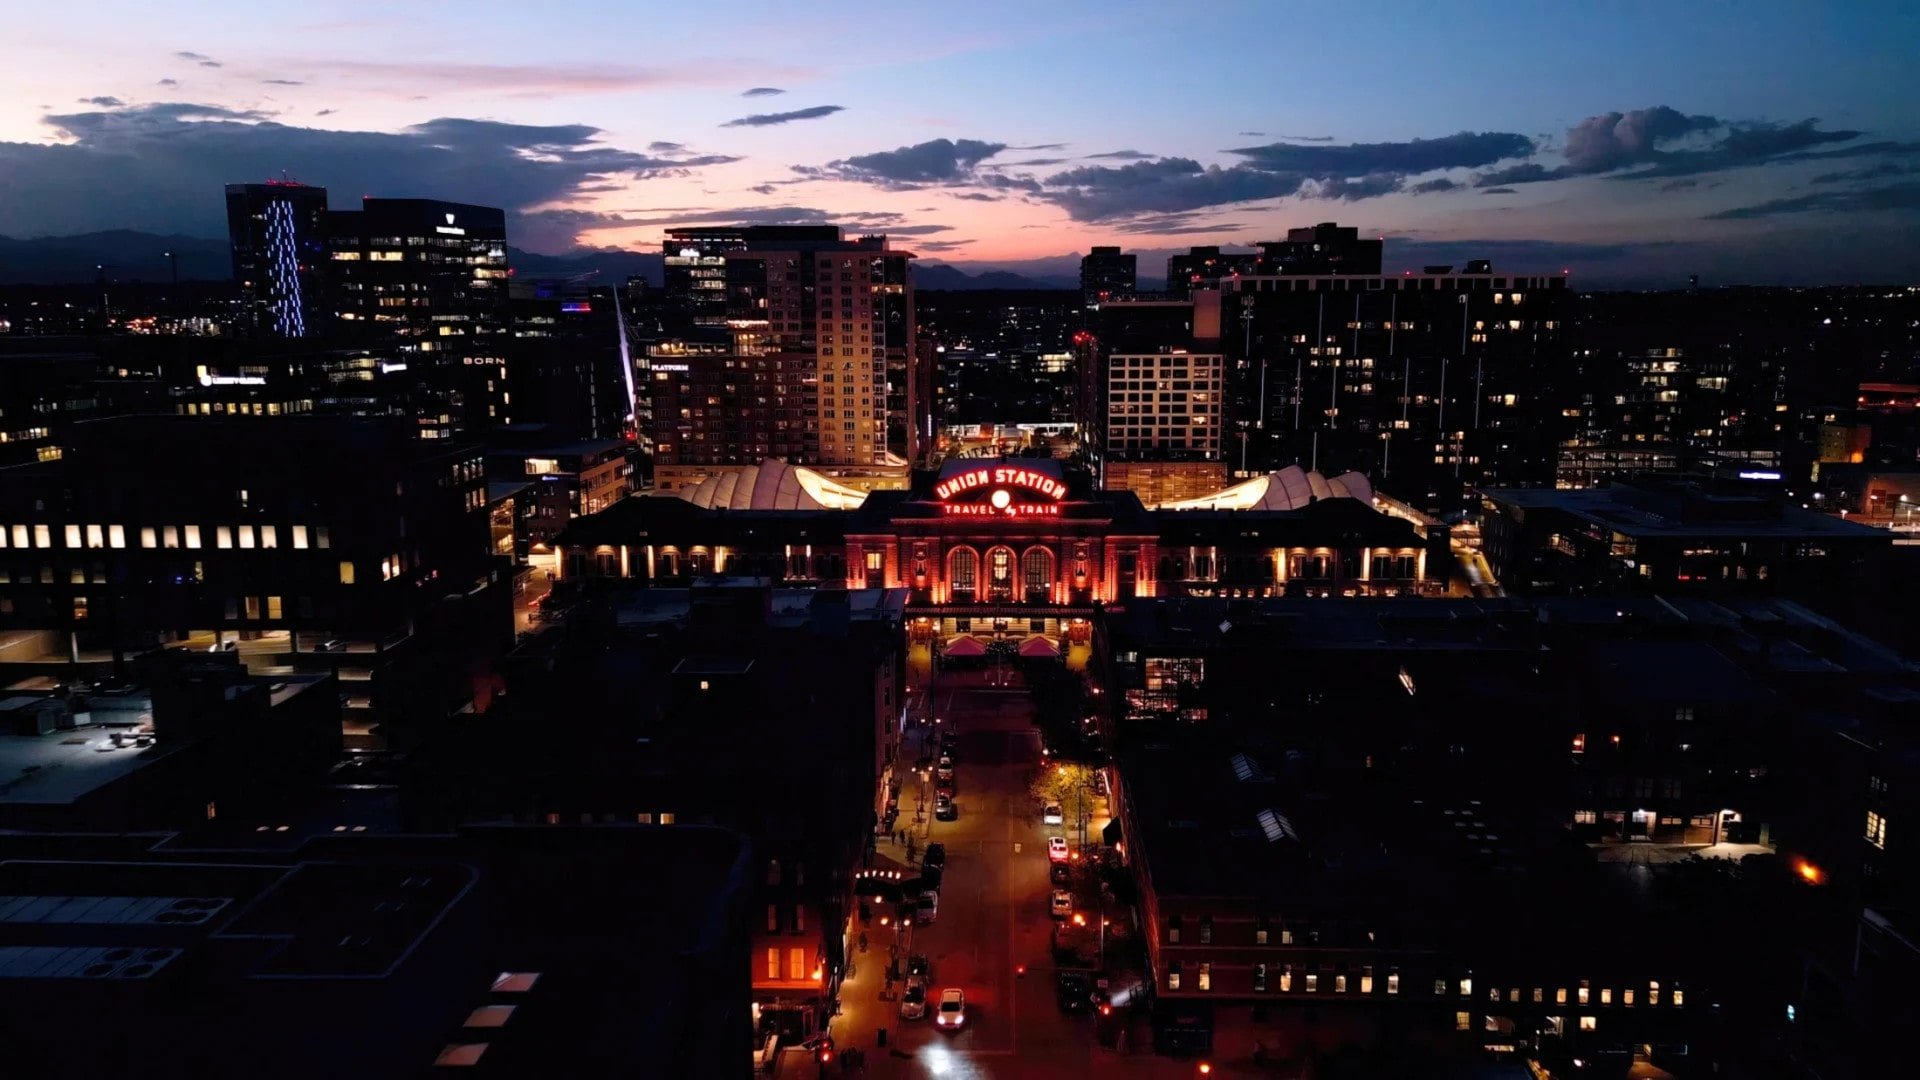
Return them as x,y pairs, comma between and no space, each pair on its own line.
1643,147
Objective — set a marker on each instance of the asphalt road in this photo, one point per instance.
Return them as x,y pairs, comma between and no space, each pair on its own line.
993,916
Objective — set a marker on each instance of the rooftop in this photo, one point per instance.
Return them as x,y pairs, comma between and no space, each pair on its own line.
63,767
1687,512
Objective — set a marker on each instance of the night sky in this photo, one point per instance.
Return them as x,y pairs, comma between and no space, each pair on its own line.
1627,142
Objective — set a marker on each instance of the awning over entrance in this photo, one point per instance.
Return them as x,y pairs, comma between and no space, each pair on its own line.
1038,646
966,645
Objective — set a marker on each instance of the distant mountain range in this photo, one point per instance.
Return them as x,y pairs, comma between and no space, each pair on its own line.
126,255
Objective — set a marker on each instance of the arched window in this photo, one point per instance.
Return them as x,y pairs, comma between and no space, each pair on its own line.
1036,568
1000,574
963,571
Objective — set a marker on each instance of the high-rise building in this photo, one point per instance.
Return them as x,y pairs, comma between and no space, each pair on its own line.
420,269
763,298
1106,274
1325,248
1204,264
278,231
1431,383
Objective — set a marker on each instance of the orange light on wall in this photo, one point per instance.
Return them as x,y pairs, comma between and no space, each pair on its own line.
1809,873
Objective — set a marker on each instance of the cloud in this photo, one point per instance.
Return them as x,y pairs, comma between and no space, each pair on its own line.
405,78
1498,191
763,189
761,91
1871,172
185,152
940,245
1370,186
1041,146
325,112
1466,149
1664,142
1170,185
192,56
1176,225
1678,185
169,82
939,161
1302,138
1894,197
814,112
1429,187
1253,134
976,196
665,147
283,82
103,101
1031,163
1120,155
211,63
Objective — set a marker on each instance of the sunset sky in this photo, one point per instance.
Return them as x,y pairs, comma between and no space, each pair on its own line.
1772,140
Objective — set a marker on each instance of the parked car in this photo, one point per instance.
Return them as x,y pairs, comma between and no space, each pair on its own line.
1060,873
944,770
919,967
935,856
953,1010
1052,815
928,909
945,787
948,743
1061,906
1057,848
913,1001
944,809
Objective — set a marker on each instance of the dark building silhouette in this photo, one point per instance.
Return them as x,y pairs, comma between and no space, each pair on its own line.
278,231
1326,248
1106,274
316,543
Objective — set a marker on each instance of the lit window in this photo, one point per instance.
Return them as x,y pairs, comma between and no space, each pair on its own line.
1393,982
346,572
19,536
1876,830
1653,993
73,536
1626,998
773,963
1587,1023
1313,983
96,537
169,536
1539,995
1583,991
1462,1021
1466,986
117,536
246,537
42,536
321,537
300,538
193,536
1339,984
666,818
1606,995
796,964
1173,978
147,537
515,982
222,536
1679,996
269,536
1366,980
1206,975
461,1054
490,1016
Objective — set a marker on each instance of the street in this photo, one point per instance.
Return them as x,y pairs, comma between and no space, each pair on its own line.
993,914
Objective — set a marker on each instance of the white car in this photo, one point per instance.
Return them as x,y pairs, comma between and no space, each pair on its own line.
953,1010
1057,848
1052,816
913,1003
1062,904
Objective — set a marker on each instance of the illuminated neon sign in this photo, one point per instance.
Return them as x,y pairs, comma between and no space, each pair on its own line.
1000,476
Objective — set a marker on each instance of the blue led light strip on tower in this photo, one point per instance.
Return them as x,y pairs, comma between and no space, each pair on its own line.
283,256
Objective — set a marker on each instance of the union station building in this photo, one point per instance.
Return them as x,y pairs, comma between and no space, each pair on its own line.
1011,547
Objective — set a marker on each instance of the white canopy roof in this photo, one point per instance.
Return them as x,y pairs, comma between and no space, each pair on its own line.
1288,489
773,485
